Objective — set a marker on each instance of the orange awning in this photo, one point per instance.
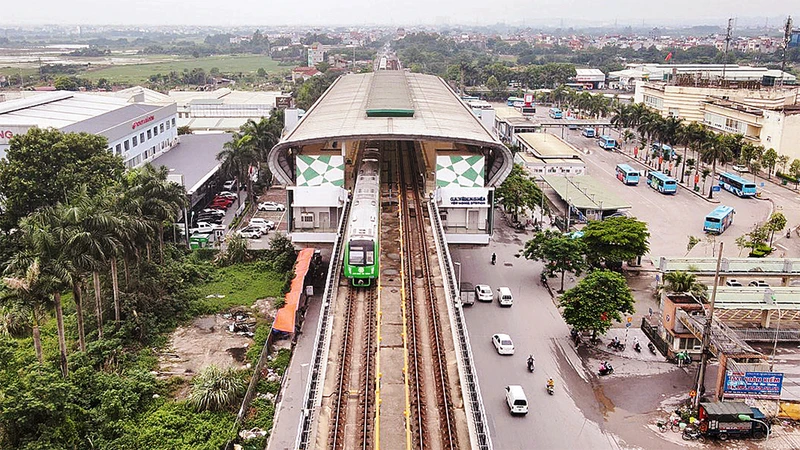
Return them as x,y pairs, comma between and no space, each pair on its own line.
284,320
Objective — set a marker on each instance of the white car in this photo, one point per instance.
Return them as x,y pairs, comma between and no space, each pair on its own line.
758,283
250,232
484,293
263,224
733,283
228,194
271,206
230,184
216,212
503,344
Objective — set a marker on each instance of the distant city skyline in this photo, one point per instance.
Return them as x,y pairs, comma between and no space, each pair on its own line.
550,13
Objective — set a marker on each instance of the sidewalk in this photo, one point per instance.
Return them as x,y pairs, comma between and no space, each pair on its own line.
289,409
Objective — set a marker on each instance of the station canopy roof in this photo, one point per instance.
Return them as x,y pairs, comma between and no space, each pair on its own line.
584,192
414,107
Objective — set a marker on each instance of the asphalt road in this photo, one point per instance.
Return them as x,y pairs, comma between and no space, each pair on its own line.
567,420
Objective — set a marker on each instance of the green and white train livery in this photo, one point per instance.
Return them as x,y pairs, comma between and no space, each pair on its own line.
362,250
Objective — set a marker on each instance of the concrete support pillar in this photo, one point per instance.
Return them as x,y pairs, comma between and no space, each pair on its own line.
766,315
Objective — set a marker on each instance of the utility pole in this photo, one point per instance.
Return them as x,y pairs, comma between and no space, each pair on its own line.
701,373
727,44
787,37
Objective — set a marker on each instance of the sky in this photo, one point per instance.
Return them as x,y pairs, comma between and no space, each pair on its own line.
396,12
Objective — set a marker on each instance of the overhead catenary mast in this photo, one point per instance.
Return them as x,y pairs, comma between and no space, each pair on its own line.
787,37
727,44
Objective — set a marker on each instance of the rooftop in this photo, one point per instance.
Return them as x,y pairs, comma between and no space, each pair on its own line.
111,119
546,145
225,96
57,109
584,192
195,157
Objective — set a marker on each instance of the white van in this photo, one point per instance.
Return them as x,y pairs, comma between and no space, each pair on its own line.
504,296
515,397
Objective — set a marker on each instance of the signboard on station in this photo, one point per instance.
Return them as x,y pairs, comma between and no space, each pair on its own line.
283,102
766,385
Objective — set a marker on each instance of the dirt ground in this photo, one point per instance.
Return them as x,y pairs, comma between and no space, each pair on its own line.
207,340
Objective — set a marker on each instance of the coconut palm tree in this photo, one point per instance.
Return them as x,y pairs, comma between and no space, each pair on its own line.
237,156
215,389
715,150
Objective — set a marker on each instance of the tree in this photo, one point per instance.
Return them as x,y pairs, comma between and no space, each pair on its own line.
519,191
683,282
28,290
715,150
215,389
776,222
184,129
42,166
769,159
66,84
558,252
237,156
614,240
597,300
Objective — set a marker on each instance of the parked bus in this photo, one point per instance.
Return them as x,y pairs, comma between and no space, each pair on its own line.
662,183
556,113
589,132
607,142
512,100
718,220
737,185
627,174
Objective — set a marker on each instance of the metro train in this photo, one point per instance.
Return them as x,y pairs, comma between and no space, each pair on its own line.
362,241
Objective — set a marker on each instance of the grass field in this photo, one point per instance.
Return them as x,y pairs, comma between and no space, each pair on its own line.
241,284
139,73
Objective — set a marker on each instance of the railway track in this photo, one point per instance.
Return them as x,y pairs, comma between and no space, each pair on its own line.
432,416
354,403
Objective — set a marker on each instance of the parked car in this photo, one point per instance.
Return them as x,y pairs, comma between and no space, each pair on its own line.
484,293
503,344
228,194
733,283
263,224
209,218
213,211
758,283
741,169
219,199
250,232
229,185
271,206
220,203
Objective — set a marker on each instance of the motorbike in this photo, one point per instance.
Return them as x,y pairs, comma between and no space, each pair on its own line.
550,389
637,347
692,434
616,345
494,258
531,364
605,369
651,347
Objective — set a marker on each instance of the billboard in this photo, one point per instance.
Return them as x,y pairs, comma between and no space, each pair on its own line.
753,384
283,102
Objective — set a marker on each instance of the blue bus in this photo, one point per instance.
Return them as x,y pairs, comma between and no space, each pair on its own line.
627,174
588,132
718,220
737,185
556,113
662,183
607,142
512,100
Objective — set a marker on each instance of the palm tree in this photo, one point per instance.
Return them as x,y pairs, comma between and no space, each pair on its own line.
25,290
46,242
263,138
688,136
237,156
670,131
683,282
715,151
215,389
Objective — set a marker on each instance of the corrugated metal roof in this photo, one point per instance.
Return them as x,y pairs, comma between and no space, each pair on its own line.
727,408
546,145
104,121
57,109
584,192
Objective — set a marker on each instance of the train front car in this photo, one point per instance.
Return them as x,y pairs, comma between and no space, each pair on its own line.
362,250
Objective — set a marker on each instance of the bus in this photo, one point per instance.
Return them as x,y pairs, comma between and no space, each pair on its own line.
512,100
607,142
556,113
718,220
627,174
662,183
589,132
737,185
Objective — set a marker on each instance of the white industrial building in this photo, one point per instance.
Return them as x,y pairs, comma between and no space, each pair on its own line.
223,109
135,131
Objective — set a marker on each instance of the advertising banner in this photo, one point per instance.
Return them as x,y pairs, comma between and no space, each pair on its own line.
753,384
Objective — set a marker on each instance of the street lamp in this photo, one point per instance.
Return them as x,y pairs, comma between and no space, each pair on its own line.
746,418
777,330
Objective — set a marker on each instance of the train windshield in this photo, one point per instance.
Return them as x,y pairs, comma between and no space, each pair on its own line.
361,253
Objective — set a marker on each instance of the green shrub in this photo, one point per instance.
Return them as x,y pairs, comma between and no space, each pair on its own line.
259,340
280,362
786,176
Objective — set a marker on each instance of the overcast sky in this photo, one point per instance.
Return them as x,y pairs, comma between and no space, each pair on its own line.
397,12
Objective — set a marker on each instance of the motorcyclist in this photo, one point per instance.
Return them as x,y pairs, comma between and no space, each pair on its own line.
531,361
550,383
494,258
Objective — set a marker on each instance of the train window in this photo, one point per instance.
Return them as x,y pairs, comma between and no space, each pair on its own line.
356,256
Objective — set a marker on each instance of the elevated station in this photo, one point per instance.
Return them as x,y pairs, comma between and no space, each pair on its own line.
463,161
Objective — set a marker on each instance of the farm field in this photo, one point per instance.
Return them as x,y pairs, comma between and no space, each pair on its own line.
139,73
